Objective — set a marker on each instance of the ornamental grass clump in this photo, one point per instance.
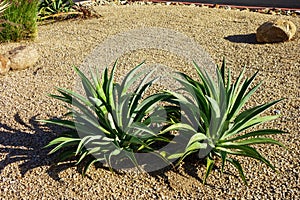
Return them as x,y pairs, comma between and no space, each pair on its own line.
109,120
18,21
215,114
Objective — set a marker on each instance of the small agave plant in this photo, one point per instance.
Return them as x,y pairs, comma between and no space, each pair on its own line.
48,8
219,123
109,120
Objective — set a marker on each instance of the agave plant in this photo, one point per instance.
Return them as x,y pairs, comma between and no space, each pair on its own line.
219,123
50,7
109,120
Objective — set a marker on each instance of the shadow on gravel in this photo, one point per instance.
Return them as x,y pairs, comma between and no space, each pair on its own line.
160,175
26,146
191,165
188,169
246,38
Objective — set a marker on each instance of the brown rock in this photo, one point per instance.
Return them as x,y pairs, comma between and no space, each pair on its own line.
23,57
275,31
4,64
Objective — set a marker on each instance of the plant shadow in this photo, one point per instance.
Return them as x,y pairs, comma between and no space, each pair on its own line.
25,145
191,165
189,168
160,175
243,38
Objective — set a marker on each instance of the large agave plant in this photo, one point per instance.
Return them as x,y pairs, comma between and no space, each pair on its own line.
219,123
109,120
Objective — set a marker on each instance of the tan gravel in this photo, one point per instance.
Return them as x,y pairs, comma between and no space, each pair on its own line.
27,173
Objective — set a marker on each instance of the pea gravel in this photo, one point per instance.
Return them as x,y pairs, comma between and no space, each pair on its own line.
26,172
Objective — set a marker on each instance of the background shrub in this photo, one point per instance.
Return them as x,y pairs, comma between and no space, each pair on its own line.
19,20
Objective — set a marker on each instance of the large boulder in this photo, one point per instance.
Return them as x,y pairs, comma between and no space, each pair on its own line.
4,64
275,31
23,57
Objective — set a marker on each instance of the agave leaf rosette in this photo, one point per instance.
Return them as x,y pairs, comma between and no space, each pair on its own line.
51,7
219,123
109,120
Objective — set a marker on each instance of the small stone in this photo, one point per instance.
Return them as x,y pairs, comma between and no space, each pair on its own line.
23,57
276,112
4,65
275,31
123,2
227,7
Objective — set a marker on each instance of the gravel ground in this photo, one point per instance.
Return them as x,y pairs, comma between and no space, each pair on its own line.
28,173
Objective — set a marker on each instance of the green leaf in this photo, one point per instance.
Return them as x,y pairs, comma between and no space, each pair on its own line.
195,146
228,85
60,122
84,141
196,138
147,104
223,156
90,90
115,152
257,133
239,127
209,166
109,88
130,78
67,143
246,151
82,157
237,87
239,168
131,156
66,154
252,141
178,127
88,164
223,70
218,118
57,141
175,156
140,91
253,112
243,97
68,94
